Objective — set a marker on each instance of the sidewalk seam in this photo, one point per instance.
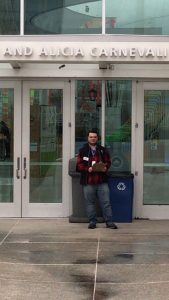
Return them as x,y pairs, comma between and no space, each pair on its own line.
97,256
17,222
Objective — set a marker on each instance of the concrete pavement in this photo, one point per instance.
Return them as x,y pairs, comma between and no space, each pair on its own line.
54,259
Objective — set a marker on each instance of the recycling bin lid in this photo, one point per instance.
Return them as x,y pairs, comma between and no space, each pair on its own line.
72,168
120,174
74,174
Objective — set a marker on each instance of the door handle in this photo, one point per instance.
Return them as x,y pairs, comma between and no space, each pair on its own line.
24,168
18,168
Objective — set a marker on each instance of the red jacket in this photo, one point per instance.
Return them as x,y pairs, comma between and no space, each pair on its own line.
84,161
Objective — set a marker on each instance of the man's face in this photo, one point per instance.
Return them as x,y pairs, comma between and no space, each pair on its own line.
92,138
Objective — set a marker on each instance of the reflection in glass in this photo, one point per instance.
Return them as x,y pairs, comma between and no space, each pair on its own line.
137,17
87,109
9,17
46,145
156,147
118,123
6,144
63,17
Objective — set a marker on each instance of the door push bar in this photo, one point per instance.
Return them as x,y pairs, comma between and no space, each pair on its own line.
18,168
24,168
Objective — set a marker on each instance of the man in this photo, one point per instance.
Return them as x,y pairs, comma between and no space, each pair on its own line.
93,161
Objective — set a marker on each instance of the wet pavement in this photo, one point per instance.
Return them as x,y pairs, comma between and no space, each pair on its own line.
54,259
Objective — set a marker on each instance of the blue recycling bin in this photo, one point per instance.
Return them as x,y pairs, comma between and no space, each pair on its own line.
121,196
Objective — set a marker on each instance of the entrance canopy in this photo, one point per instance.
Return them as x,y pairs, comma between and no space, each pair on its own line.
84,56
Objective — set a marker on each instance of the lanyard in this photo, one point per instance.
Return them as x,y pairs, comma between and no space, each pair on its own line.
93,151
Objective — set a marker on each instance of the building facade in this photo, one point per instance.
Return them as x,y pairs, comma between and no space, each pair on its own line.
67,66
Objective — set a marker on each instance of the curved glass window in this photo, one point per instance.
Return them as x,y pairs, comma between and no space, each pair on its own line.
9,17
63,17
144,17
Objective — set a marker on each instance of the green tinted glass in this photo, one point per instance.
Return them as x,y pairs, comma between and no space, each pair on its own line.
156,147
9,17
144,17
6,144
118,123
63,17
87,109
46,145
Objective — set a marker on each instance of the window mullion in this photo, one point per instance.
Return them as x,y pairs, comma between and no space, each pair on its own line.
103,114
103,16
22,17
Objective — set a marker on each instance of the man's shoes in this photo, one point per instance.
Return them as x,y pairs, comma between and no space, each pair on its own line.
92,225
111,226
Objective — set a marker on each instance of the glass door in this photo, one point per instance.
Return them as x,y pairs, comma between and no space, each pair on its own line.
45,149
10,149
34,149
153,151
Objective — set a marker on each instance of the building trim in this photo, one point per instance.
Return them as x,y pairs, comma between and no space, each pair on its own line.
89,52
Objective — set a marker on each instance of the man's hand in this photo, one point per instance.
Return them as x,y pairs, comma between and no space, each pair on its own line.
104,169
90,169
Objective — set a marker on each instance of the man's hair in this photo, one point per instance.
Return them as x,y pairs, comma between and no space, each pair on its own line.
93,130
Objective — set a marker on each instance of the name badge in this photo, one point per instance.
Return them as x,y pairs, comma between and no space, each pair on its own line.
85,158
